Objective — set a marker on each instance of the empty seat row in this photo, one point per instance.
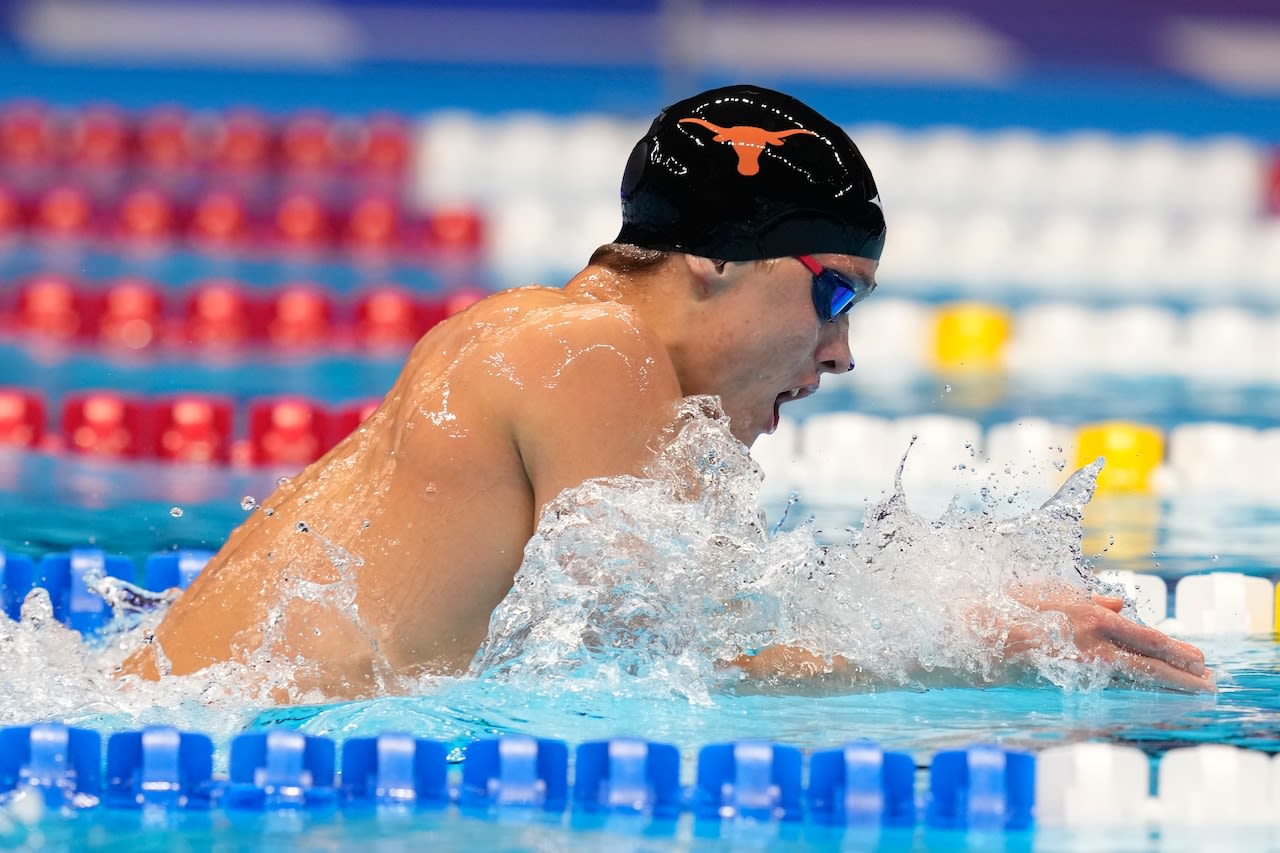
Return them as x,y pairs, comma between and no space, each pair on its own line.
899,337
949,455
191,428
243,219
134,314
943,168
1077,254
980,250
169,137
1209,604
1089,172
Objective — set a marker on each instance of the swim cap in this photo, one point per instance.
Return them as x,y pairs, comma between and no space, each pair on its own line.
743,173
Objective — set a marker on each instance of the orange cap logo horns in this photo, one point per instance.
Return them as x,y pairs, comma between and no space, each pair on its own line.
749,142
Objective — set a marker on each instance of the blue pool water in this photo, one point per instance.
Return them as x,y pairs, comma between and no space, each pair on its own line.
52,503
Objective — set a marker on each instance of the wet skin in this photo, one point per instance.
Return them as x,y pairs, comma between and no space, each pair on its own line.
418,520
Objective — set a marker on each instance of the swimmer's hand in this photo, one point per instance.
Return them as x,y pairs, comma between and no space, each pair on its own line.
1140,655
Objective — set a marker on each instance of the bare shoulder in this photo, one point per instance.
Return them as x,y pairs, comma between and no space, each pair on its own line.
538,339
583,387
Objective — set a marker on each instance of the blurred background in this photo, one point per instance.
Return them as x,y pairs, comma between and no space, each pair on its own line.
222,225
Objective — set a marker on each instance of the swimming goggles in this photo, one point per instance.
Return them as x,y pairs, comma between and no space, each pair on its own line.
834,293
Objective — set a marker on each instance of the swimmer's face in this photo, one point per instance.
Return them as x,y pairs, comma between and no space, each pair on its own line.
772,346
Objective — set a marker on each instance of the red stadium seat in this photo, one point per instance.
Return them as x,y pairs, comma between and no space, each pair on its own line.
242,142
193,428
300,316
64,211
301,221
105,423
287,431
52,307
346,419
432,312
220,314
307,142
219,218
100,138
165,140
455,231
373,224
379,146
145,215
26,133
132,314
388,317
22,418
11,218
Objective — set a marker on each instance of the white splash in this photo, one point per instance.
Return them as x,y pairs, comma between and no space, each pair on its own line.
648,585
644,587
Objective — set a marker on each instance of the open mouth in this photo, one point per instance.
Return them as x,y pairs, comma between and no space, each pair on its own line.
786,397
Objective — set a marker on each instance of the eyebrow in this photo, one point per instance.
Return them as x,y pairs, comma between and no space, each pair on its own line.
859,277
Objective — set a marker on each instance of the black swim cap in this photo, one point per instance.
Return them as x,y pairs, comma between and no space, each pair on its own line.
743,173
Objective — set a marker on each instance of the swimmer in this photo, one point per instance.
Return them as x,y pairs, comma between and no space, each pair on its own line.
751,226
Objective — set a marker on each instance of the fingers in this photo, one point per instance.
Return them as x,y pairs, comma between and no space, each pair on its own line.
1150,672
1151,643
1114,603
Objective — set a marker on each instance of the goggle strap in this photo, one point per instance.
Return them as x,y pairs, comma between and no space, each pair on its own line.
810,264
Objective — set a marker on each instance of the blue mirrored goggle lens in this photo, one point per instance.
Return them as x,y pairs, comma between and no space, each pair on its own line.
834,294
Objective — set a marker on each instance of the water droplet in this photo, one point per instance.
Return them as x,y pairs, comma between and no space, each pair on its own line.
960,467
247,503
946,389
268,511
1214,558
876,624
431,488
283,481
176,512
301,527
365,524
1060,464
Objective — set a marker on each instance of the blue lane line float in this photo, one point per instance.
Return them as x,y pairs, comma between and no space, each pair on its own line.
625,785
281,769
17,573
756,780
627,776
160,767
60,764
516,770
981,788
169,569
69,578
395,769
862,785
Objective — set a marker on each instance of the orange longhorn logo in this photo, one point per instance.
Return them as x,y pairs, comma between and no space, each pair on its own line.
748,141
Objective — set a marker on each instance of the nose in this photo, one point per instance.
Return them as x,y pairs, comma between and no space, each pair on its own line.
833,354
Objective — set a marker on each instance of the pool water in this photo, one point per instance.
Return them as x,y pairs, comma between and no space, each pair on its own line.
51,503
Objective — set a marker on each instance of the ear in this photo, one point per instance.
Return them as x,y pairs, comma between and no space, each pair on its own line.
711,275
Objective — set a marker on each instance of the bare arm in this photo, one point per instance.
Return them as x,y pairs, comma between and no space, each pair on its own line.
1140,655
603,390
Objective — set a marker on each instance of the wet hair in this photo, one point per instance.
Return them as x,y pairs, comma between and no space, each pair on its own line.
628,259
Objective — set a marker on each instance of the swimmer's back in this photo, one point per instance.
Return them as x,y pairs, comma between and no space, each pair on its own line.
426,508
